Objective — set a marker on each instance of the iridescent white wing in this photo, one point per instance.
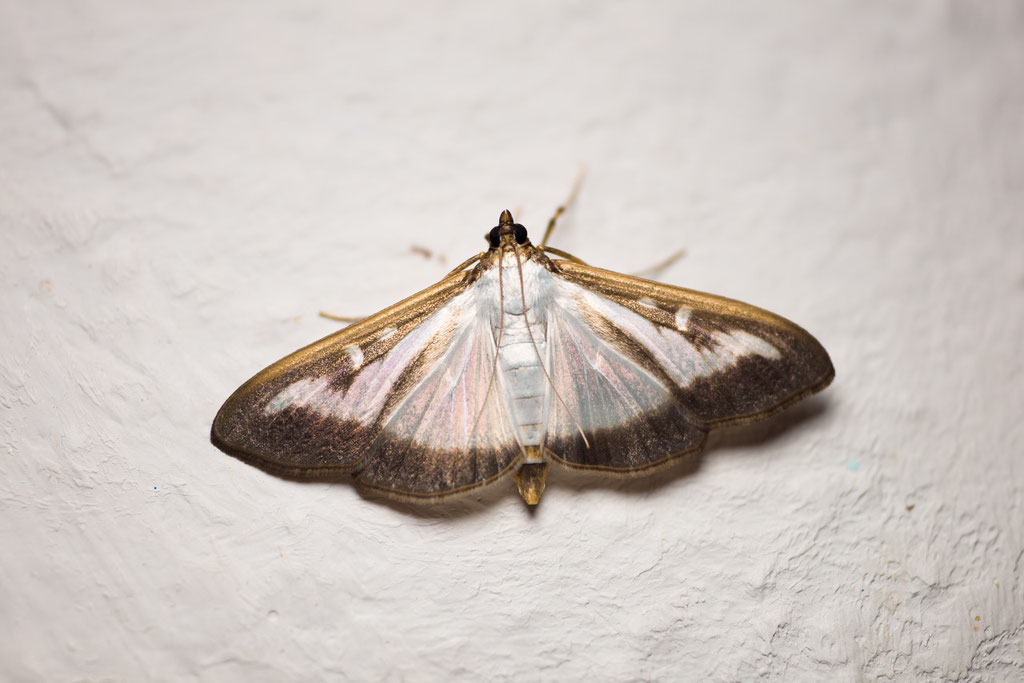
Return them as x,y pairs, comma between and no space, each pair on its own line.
396,400
645,369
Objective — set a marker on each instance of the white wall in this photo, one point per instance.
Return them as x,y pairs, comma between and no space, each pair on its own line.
182,188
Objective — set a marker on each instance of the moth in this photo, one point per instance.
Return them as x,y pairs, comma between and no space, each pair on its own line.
521,358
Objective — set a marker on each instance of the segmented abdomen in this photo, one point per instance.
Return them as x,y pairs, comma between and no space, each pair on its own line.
519,359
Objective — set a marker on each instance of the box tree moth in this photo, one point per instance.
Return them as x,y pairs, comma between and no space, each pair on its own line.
521,358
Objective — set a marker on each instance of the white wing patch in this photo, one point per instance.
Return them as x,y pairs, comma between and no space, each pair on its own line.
754,345
355,355
366,393
682,319
601,388
448,409
443,409
295,395
683,361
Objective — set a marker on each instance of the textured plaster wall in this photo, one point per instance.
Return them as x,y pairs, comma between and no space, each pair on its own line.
183,186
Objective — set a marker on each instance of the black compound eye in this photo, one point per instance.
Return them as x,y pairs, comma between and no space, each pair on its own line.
520,233
493,237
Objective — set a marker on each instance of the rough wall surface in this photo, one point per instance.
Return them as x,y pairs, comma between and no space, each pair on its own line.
182,188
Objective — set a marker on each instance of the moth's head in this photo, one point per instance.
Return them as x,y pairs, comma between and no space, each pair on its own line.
506,232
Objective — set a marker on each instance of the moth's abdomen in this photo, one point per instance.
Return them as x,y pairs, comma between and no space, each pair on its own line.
519,359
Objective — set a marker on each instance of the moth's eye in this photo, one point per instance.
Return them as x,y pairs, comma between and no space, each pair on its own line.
520,233
493,237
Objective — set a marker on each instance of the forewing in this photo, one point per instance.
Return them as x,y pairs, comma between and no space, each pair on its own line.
385,399
730,361
647,368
